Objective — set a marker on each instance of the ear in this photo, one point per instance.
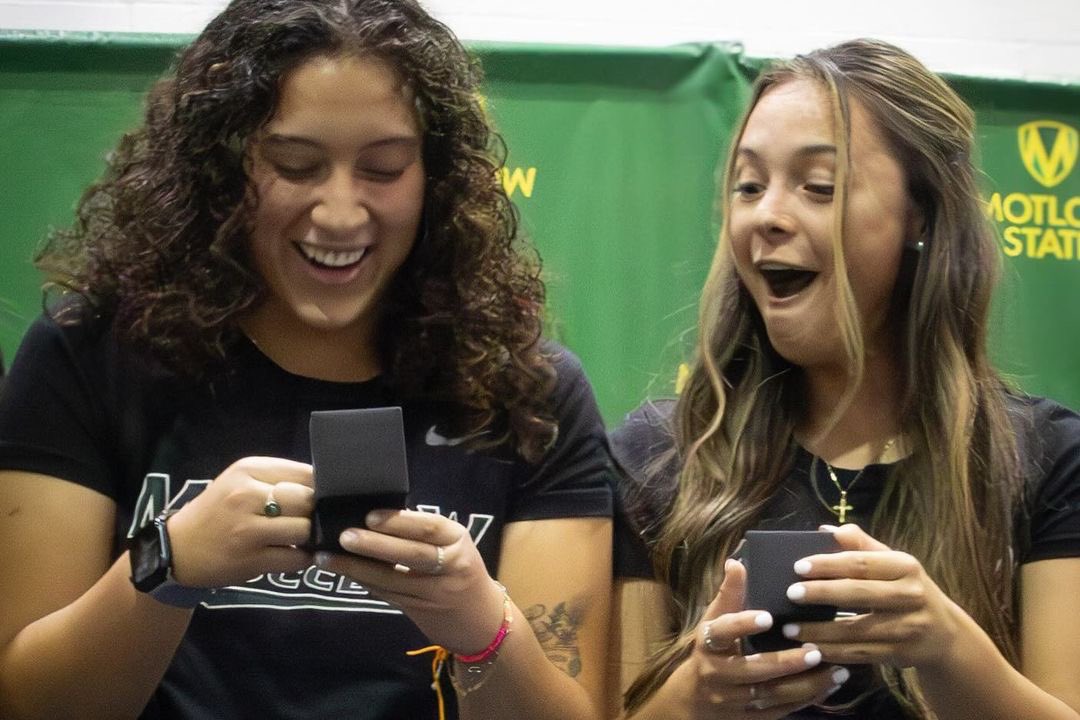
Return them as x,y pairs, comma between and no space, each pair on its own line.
917,231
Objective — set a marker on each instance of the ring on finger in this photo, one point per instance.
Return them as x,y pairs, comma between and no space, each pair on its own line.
271,507
440,560
707,638
758,699
732,647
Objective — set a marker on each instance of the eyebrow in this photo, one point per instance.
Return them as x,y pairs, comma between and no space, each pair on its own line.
280,139
276,139
805,151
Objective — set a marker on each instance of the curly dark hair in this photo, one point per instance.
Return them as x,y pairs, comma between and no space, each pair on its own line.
160,241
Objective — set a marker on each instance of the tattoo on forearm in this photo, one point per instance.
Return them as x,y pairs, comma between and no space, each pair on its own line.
557,632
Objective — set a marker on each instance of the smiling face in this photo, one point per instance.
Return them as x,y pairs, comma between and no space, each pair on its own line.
781,222
340,181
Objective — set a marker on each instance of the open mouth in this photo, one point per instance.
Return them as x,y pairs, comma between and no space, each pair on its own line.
784,280
331,259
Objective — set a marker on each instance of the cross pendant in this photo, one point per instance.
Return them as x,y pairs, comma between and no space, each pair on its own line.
841,510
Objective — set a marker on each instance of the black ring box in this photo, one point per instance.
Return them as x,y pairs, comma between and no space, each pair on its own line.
359,465
769,557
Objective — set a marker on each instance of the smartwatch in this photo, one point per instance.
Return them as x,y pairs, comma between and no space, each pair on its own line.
151,566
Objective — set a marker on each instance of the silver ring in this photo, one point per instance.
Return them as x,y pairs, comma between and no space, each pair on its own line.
440,559
707,638
271,508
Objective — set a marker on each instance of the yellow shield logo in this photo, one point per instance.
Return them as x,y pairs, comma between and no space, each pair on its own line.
1048,166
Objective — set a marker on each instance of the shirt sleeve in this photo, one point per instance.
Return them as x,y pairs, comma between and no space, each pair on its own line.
574,478
644,489
51,419
1053,449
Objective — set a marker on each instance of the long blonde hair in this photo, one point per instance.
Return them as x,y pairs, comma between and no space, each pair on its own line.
735,419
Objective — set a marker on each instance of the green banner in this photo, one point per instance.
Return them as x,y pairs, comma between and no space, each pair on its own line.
612,157
1028,139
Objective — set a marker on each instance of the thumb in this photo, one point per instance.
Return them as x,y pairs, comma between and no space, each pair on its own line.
731,597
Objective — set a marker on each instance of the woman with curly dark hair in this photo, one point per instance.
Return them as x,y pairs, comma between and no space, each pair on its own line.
308,219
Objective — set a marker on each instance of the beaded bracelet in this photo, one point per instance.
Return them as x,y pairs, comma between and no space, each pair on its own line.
474,675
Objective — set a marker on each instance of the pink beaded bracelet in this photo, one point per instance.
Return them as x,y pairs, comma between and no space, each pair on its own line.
504,630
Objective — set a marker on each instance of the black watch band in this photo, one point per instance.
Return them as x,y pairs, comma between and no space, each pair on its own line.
151,566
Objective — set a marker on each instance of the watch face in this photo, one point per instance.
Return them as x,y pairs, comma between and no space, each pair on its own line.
149,566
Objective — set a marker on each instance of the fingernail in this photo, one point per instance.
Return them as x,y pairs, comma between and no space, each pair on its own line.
403,569
375,517
802,567
322,558
829,528
763,620
791,631
796,591
812,658
831,690
840,676
752,658
348,537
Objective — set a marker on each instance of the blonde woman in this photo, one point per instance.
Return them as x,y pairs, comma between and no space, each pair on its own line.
842,381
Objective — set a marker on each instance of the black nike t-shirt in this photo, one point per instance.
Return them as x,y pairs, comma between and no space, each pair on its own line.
1048,435
312,644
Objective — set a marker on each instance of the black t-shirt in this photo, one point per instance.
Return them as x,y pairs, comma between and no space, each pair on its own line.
313,644
1048,436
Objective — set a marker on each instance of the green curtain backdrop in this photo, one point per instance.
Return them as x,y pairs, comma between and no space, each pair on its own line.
1028,140
612,156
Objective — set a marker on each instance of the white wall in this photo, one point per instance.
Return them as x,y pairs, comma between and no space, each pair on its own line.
1029,39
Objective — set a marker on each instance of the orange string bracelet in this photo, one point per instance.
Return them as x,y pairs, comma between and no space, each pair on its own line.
474,665
437,661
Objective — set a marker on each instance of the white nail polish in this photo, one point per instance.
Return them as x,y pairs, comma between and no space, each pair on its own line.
840,676
763,620
802,567
791,631
796,591
812,658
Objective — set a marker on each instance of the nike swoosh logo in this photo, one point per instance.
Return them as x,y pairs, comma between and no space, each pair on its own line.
434,439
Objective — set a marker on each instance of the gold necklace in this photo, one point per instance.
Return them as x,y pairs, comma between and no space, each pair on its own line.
842,508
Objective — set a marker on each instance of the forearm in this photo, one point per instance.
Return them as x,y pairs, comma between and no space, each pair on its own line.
523,684
102,656
975,682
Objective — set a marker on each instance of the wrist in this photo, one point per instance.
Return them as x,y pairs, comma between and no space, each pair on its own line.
151,557
477,628
469,671
503,630
963,644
